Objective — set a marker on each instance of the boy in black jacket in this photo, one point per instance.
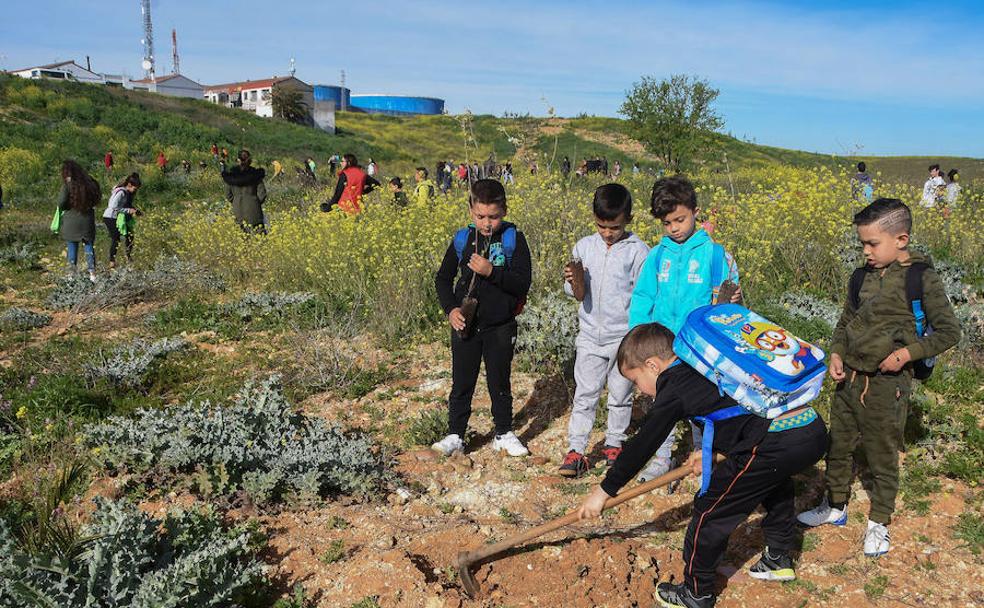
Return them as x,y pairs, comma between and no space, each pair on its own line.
492,262
762,456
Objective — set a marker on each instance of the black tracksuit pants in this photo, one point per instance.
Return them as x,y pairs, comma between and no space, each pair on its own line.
739,485
495,346
114,239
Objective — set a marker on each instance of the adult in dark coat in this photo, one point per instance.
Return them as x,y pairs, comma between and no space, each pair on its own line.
246,191
79,196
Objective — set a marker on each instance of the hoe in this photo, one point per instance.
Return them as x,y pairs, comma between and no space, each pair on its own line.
468,559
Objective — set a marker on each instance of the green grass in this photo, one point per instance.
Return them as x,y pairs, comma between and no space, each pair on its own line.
970,529
875,587
334,553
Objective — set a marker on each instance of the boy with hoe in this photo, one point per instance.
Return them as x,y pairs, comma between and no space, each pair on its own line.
601,278
493,265
875,348
683,272
762,456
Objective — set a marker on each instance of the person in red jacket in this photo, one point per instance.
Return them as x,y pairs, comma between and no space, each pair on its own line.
108,161
161,161
352,184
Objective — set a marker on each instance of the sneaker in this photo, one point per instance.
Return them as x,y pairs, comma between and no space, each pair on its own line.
778,567
680,596
92,276
449,445
510,443
611,454
574,465
876,540
657,467
823,514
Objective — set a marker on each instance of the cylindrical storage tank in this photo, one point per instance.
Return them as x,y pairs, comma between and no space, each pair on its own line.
334,94
397,105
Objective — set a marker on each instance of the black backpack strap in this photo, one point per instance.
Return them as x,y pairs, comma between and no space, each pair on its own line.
914,294
854,288
914,281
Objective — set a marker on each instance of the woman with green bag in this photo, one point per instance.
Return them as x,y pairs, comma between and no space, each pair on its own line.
119,217
79,196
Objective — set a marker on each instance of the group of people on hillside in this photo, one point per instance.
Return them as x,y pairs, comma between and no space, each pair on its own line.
633,299
937,191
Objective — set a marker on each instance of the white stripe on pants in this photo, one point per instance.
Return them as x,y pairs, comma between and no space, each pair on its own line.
594,366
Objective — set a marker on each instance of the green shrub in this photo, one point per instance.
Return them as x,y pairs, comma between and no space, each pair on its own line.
970,529
428,427
127,365
129,558
21,319
258,446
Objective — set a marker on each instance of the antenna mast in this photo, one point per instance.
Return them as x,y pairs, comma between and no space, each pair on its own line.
293,66
148,40
174,52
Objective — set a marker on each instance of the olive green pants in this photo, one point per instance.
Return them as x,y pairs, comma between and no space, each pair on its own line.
870,410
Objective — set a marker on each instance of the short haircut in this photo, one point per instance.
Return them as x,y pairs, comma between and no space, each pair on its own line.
862,167
611,201
934,166
891,215
669,193
351,160
951,174
487,192
641,343
396,181
422,170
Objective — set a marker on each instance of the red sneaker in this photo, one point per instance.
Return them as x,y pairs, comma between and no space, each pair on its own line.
574,465
611,453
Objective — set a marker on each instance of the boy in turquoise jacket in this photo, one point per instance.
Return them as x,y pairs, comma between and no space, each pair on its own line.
683,272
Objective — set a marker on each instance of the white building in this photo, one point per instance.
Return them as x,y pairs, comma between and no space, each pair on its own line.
65,70
174,85
256,95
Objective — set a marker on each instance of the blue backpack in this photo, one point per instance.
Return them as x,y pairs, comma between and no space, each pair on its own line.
762,366
508,244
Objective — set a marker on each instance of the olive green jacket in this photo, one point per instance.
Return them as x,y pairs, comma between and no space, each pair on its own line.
247,193
884,322
76,226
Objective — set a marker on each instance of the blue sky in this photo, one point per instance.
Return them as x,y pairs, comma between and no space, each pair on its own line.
880,77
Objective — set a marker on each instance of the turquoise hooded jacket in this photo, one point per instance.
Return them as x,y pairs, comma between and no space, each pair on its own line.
677,278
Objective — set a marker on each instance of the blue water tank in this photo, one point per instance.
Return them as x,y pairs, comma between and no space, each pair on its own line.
397,105
334,94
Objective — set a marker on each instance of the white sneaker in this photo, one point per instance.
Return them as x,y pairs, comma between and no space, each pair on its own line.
510,443
823,514
876,540
92,276
656,467
449,445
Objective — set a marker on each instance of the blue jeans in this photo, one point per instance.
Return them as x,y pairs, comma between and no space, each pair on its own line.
90,254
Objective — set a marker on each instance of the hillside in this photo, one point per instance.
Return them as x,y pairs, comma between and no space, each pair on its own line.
56,120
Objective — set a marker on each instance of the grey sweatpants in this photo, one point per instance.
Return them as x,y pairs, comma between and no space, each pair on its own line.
594,367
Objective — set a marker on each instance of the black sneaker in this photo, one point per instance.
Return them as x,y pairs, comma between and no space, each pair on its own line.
773,567
574,465
680,596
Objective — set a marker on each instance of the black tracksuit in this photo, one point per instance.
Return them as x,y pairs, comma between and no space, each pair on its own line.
758,470
494,337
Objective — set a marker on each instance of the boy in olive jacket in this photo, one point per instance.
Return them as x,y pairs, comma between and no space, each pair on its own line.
875,347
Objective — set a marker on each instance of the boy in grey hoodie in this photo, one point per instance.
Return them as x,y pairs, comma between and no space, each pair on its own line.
602,277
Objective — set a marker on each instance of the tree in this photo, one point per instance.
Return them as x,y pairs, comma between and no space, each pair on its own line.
673,118
288,103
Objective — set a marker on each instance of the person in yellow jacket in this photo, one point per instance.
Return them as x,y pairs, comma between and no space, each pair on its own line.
278,169
426,189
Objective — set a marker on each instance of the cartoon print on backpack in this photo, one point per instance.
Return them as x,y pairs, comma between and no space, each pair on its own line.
780,349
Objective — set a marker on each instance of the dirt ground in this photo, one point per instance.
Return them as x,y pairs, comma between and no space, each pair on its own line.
401,548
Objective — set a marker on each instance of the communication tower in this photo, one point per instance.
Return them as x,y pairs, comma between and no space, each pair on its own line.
148,40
